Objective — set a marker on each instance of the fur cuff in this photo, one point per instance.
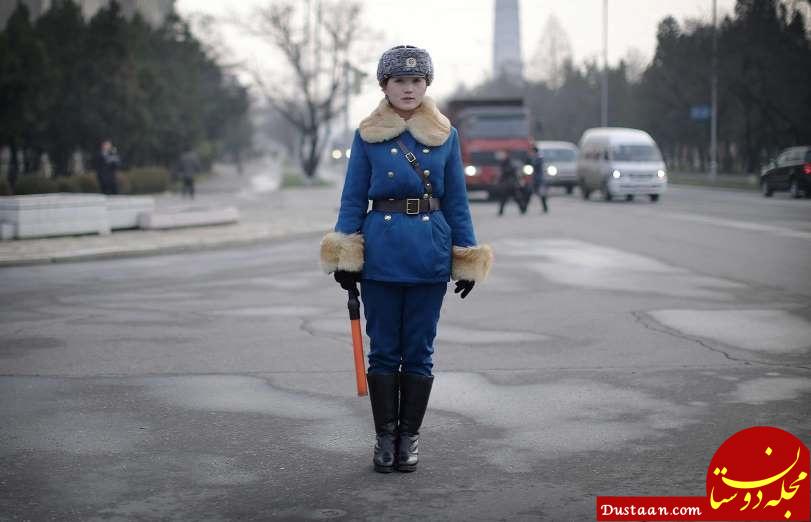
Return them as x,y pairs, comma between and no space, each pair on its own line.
428,125
472,263
342,252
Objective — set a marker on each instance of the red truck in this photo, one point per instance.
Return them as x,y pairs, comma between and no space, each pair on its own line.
486,126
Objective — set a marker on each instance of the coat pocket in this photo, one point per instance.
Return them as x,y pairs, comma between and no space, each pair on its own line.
441,239
375,230
439,219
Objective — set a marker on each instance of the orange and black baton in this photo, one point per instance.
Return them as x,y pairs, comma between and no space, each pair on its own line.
357,340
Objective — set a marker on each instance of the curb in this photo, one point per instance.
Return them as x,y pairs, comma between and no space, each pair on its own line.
157,250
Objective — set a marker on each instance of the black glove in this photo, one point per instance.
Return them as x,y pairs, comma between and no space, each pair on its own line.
464,286
347,280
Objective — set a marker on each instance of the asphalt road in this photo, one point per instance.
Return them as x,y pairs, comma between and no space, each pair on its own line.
614,348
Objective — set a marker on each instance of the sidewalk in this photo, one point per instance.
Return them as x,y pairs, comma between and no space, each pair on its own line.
266,213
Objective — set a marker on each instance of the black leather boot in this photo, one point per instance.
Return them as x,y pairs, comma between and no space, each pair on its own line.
414,392
383,392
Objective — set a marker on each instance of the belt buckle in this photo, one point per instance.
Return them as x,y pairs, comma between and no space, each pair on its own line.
410,157
409,203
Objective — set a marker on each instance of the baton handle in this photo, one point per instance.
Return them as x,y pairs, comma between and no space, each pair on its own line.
353,304
360,367
357,341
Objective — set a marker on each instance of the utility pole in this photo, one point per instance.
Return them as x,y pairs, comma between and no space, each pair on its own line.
714,97
317,47
604,104
347,88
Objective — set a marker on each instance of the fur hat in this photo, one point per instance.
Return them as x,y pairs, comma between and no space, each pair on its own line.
405,60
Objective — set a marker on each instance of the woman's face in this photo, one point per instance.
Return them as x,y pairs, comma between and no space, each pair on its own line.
405,92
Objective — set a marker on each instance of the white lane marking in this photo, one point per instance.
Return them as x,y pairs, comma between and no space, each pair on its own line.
581,264
337,430
740,225
554,417
782,231
763,390
769,331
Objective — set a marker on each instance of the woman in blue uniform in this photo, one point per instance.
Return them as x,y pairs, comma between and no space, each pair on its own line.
405,158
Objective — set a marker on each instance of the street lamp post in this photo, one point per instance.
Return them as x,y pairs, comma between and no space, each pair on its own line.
347,88
604,104
714,98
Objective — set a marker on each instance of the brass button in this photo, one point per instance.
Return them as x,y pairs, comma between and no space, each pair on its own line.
391,174
426,172
393,151
387,217
425,218
426,151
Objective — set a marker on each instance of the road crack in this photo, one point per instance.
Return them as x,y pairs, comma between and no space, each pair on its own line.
645,320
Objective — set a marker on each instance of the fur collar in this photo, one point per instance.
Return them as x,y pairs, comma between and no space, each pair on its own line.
428,125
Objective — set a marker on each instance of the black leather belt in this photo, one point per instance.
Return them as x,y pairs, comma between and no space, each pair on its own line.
410,206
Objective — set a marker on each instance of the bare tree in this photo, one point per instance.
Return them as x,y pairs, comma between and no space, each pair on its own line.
804,8
315,38
635,64
554,49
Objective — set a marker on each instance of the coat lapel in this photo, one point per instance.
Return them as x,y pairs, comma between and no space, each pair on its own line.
428,125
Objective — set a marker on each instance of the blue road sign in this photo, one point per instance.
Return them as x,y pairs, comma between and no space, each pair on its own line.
700,112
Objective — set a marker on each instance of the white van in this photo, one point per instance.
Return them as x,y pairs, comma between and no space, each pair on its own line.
620,163
559,163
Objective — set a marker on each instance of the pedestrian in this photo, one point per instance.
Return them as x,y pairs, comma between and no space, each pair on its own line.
189,166
405,157
509,184
107,164
539,185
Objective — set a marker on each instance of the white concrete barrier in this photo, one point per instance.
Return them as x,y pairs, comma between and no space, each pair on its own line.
123,211
187,217
7,231
42,215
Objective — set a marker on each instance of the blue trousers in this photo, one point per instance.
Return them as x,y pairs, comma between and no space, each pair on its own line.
401,323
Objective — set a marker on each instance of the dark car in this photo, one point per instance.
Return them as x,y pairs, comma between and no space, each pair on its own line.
790,171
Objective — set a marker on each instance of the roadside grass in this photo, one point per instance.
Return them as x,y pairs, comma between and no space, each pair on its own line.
734,181
293,177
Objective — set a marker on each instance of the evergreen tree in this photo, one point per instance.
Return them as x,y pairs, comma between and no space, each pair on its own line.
23,66
62,31
67,84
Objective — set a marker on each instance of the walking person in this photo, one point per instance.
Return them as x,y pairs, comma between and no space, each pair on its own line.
405,157
189,167
539,185
509,184
107,164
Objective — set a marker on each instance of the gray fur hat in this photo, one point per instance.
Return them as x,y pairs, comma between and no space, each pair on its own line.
405,60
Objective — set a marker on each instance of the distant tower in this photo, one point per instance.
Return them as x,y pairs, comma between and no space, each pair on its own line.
507,41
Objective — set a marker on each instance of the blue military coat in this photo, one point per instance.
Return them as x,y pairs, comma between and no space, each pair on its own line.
397,247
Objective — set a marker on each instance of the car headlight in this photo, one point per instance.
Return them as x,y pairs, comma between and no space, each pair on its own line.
470,170
347,153
661,173
616,174
336,154
552,170
529,170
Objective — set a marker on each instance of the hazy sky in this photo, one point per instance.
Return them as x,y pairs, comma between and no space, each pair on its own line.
458,33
